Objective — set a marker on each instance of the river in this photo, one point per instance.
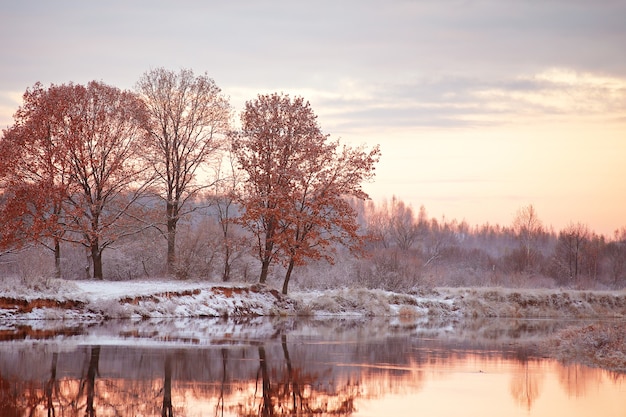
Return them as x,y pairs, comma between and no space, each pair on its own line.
296,366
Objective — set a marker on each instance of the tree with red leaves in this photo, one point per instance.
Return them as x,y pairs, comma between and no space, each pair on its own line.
72,170
298,180
35,176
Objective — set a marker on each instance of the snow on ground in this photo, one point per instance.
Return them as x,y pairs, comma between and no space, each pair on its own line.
93,300
106,290
100,300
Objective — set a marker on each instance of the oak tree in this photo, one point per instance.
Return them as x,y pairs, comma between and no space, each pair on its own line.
294,197
34,174
79,146
189,117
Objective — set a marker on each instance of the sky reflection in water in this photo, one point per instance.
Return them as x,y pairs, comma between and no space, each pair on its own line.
273,368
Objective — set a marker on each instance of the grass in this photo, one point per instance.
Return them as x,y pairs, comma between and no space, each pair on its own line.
600,345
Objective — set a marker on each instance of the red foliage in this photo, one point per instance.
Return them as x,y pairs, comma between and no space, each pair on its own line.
69,164
35,176
298,180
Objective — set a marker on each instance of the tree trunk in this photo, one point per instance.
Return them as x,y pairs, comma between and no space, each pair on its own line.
267,251
96,258
57,258
171,249
172,221
226,273
288,275
265,268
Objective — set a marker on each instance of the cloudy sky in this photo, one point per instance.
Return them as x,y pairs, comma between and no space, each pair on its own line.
480,107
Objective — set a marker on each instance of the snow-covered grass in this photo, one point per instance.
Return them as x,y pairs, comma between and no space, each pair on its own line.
139,299
98,300
537,303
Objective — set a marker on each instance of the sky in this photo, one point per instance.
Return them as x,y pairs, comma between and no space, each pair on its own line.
479,107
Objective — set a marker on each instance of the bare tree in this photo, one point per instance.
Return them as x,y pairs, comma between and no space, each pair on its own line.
569,250
190,118
616,252
228,181
395,223
404,228
528,229
378,223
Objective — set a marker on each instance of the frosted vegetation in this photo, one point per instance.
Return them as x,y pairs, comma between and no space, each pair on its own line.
403,252
98,300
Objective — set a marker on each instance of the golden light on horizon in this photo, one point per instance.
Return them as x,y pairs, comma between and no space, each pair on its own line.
561,147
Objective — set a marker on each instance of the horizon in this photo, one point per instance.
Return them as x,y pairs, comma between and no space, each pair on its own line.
480,108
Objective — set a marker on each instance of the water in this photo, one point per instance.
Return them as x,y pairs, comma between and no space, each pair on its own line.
298,367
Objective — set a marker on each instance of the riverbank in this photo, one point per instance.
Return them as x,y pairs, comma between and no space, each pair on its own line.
102,300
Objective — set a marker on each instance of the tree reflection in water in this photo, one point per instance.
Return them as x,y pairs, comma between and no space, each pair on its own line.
525,384
167,388
90,381
275,376
296,392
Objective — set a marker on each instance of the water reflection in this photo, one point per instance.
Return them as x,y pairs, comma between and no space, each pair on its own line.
296,369
526,384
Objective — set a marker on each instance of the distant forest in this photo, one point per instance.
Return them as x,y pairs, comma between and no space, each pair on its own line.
96,182
404,250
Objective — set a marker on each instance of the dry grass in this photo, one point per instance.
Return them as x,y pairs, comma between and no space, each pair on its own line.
533,303
600,345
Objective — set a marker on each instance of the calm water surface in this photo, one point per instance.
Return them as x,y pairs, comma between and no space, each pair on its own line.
298,367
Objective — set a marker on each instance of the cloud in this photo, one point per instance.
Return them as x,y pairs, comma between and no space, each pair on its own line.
361,63
458,101
9,102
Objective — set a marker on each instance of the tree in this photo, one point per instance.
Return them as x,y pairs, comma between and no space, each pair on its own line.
377,219
616,253
404,228
528,229
105,134
570,248
224,201
322,215
35,178
77,148
297,179
189,119
395,223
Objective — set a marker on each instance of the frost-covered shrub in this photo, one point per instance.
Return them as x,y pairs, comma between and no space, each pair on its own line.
596,345
111,308
36,268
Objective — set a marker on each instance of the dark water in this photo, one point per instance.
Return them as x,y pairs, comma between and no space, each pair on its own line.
298,367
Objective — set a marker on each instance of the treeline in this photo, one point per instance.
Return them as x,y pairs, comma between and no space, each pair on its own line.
404,250
411,249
